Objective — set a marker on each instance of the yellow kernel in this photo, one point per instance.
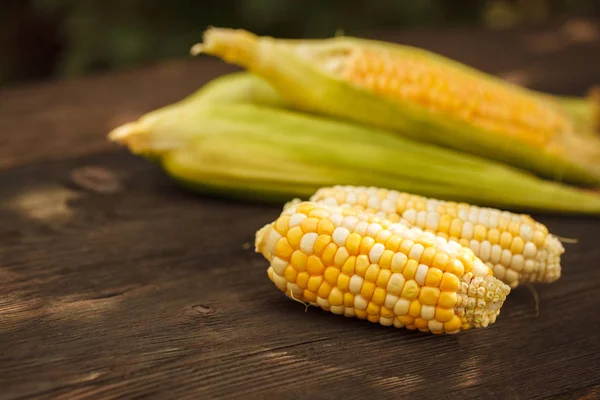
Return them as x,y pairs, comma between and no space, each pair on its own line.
290,274
336,297
429,295
433,277
440,260
444,224
331,275
313,283
505,239
410,269
517,245
348,299
321,244
305,208
422,324
406,245
393,243
310,225
503,224
385,261
464,242
410,290
340,257
406,320
514,228
283,249
415,308
449,282
314,266
324,290
309,296
479,233
428,256
353,243
325,227
453,325
367,290
302,279
538,239
447,299
467,258
299,260
386,313
348,267
362,263
493,236
456,267
343,282
282,224
329,253
455,228
379,296
373,309
360,314
372,273
383,278
365,245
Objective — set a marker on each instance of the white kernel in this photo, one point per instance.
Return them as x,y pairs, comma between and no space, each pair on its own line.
295,289
395,284
361,228
474,215
386,321
388,206
485,250
511,277
529,266
374,229
435,326
323,302
390,301
474,245
296,219
376,252
398,324
518,262
307,243
401,307
427,312
398,262
479,268
360,303
506,256
526,232
356,282
410,216
363,216
280,282
484,217
467,230
421,273
496,254
530,250
279,265
349,312
421,218
274,237
339,236
336,218
337,309
433,221
416,252
463,214
384,235
349,222
373,202
330,201
493,220
351,198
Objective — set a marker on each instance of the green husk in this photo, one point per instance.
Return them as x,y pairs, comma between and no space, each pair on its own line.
250,151
291,67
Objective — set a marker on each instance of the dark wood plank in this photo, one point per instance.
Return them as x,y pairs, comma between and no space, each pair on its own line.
147,290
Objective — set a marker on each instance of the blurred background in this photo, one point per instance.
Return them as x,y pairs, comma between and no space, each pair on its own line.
43,39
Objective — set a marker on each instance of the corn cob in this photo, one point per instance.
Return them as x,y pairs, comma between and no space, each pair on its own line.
356,264
517,248
248,151
417,94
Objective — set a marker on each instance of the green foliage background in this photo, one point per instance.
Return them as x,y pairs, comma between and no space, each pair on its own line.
41,39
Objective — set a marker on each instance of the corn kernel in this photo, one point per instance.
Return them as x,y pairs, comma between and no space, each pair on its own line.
353,243
372,273
281,225
314,266
309,295
434,277
447,299
325,227
393,243
331,275
362,263
453,325
321,244
385,262
410,269
444,314
348,299
383,278
310,225
367,290
324,290
283,249
415,308
329,254
449,282
290,274
313,283
440,260
410,290
379,296
365,245
298,260
406,320
336,297
395,284
456,267
429,295
420,323
373,309
302,279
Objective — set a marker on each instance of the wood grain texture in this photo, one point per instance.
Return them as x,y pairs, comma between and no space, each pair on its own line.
145,290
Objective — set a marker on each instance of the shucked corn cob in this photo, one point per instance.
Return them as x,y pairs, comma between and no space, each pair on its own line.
251,151
420,95
356,264
517,248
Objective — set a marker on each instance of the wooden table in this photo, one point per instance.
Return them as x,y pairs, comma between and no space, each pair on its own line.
122,285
